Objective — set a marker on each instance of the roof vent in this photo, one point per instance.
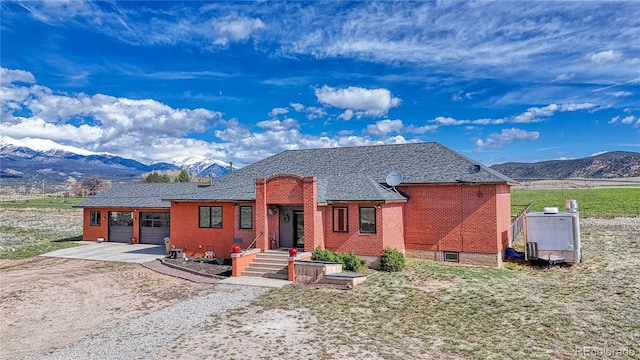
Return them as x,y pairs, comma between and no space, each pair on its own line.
551,210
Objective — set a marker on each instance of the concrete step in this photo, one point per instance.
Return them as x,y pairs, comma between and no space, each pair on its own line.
270,264
271,275
271,261
267,267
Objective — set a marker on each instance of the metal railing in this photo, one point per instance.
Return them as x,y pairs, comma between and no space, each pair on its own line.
517,222
252,243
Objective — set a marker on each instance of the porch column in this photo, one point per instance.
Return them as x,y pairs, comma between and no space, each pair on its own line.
262,225
310,198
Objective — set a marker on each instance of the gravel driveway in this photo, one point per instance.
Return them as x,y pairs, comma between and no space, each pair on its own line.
147,336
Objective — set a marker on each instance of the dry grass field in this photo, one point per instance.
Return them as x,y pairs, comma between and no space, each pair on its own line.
428,311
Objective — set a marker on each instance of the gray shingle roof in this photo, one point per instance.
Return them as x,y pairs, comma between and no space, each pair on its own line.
343,174
138,195
354,173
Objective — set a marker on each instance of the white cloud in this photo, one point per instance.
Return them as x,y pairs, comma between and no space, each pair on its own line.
535,114
277,125
369,102
420,129
346,115
621,93
449,121
384,127
462,95
297,107
8,76
278,111
628,120
505,137
311,112
563,77
614,120
99,122
235,29
605,56
35,127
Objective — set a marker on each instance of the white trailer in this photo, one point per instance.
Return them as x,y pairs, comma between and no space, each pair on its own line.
553,236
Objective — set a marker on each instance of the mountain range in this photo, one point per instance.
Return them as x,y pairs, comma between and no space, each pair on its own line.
609,165
35,159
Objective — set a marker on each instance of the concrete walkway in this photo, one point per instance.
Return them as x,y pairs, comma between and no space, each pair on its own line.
255,281
148,255
90,250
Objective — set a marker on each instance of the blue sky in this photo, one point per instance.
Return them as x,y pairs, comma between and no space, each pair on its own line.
239,81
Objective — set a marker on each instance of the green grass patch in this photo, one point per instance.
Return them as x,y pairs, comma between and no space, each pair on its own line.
38,248
444,311
41,203
601,202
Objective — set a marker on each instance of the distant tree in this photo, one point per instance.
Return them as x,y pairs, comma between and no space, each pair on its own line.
152,177
183,176
93,186
165,178
75,190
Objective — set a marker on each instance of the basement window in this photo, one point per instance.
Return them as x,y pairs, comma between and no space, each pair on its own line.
95,218
451,256
211,217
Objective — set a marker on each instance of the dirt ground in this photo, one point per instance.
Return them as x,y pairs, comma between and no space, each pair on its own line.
46,303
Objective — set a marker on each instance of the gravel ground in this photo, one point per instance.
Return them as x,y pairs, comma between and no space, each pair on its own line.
158,330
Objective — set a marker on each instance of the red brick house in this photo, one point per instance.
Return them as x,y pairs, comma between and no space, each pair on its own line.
446,206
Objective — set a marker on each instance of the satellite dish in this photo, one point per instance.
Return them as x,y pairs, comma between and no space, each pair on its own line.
394,178
474,169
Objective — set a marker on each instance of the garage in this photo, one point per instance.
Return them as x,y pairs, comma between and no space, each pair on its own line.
154,227
120,226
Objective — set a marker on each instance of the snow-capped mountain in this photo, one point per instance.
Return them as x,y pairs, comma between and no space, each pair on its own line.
44,145
31,159
201,166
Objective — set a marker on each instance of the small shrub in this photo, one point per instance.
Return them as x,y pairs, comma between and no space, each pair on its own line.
349,261
325,255
392,260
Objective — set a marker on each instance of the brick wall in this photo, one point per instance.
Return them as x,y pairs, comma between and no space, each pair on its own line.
461,218
392,221
503,210
247,235
187,235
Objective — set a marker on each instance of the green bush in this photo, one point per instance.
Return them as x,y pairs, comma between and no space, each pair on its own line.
392,260
325,255
349,261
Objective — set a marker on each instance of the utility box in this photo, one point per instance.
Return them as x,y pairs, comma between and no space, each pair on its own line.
553,236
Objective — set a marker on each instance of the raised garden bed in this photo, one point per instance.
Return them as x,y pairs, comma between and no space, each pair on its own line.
205,267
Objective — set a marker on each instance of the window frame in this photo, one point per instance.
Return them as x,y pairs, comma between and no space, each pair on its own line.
241,219
210,217
336,218
95,220
375,222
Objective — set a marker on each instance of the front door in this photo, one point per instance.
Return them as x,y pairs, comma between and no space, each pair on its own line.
298,229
